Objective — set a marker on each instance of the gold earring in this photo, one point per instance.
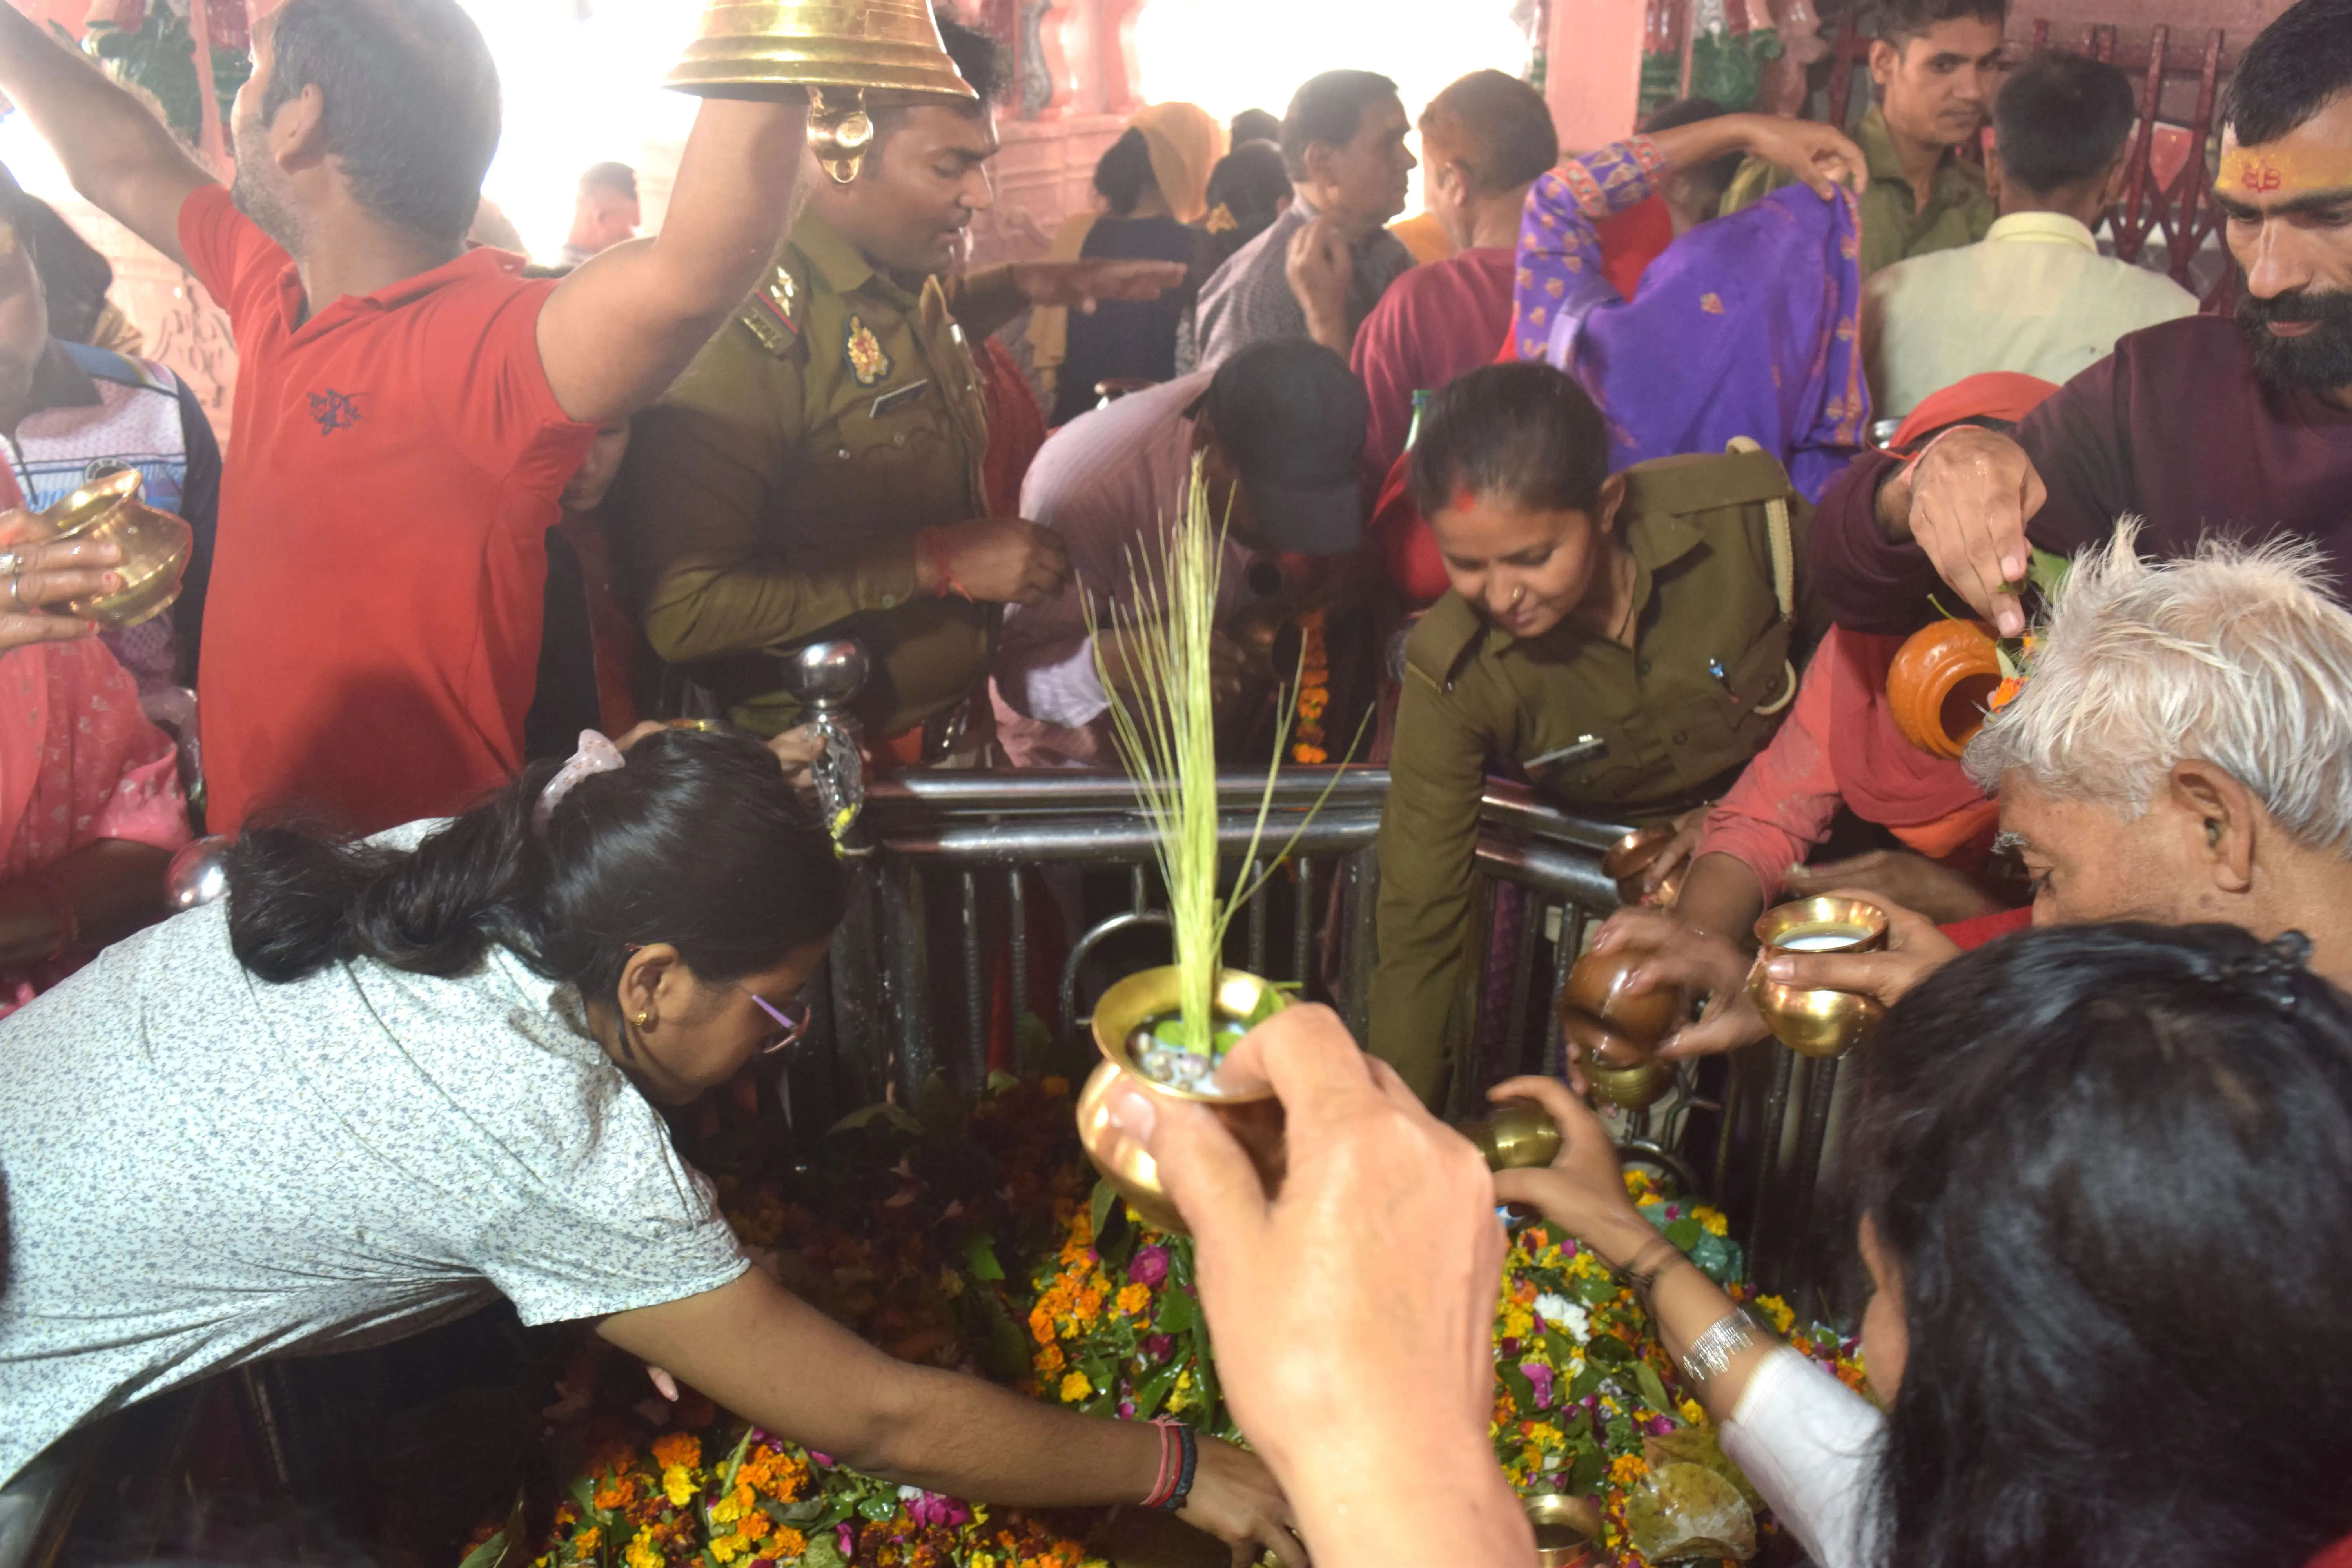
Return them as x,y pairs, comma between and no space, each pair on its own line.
642,1019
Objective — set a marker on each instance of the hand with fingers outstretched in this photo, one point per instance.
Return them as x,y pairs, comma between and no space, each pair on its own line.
1363,1375
35,577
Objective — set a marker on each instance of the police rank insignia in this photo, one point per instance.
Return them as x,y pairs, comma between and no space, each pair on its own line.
774,312
864,351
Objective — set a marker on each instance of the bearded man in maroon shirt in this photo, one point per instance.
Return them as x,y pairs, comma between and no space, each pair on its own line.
2201,426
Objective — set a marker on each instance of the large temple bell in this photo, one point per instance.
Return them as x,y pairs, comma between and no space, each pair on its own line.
838,52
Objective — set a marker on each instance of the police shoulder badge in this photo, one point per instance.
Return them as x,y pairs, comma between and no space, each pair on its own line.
774,312
868,363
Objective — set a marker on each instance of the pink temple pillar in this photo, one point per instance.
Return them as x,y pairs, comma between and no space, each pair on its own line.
1592,70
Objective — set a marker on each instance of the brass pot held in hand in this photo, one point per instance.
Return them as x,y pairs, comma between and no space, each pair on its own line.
1254,1120
1566,1528
1518,1134
155,548
1636,853
1816,1023
1615,1031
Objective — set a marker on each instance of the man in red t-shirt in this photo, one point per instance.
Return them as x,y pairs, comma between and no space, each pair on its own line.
407,410
2198,424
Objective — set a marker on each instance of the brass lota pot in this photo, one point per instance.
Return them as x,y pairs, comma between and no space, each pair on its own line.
1632,855
1254,1120
1816,1023
156,547
1565,1527
1616,1031
1518,1134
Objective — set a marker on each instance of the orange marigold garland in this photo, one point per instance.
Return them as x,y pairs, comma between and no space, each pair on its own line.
1308,744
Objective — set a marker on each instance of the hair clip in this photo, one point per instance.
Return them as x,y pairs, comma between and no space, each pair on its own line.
2273,970
596,755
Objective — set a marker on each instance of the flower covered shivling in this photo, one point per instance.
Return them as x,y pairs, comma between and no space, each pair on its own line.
974,1240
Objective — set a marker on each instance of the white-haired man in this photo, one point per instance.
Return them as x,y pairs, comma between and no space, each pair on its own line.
2181,752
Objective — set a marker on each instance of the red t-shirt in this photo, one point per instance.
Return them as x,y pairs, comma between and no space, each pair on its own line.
371,636
1438,321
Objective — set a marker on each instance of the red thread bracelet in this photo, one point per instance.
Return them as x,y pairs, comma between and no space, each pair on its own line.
1166,1482
933,551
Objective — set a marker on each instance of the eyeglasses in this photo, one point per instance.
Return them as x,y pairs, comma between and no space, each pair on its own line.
792,1024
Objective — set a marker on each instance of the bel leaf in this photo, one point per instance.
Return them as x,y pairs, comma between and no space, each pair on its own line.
1652,1390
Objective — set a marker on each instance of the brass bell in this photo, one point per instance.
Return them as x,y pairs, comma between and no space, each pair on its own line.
835,52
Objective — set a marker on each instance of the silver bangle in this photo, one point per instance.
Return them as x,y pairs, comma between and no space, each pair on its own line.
1713,1350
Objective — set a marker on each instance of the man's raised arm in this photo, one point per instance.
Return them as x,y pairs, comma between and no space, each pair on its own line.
119,156
615,334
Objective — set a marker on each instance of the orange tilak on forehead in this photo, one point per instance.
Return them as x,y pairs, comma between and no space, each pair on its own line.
2282,171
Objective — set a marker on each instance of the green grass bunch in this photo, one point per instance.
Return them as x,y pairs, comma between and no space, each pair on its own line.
1167,735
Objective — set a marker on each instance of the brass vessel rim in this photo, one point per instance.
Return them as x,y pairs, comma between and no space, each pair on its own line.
1148,994
1820,910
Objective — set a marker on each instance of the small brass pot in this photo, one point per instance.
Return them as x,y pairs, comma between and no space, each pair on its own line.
1632,855
1816,1023
1256,1120
1518,1134
155,548
1565,1527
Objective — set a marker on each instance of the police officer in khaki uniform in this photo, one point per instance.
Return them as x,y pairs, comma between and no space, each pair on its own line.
1625,640
817,470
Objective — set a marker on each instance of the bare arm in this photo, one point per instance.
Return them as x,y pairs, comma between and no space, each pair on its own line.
117,155
615,334
764,1353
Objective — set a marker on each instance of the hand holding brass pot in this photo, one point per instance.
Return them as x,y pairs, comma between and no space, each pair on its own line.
1816,1023
1255,1118
1516,1135
154,546
1616,1030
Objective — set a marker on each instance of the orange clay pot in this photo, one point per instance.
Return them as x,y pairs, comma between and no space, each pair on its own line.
1941,682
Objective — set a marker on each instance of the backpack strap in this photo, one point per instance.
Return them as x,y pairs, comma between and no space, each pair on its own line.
1779,538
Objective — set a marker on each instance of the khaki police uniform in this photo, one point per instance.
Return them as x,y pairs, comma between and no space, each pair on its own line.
773,495
1634,735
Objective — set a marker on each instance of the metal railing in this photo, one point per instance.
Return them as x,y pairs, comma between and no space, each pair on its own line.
939,931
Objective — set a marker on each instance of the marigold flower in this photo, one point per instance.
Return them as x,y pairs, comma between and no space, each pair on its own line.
1075,1388
755,1525
618,1492
1049,1362
1134,1298
2004,694
1712,1222
676,1448
789,1544
1627,1470
678,1485
642,1553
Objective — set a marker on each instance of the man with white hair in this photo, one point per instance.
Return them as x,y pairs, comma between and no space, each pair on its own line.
2182,752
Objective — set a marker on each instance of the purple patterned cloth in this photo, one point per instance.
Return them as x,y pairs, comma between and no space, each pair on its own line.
1748,325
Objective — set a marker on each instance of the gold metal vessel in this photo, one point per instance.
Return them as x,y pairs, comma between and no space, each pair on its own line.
1632,855
1254,1120
1565,1527
156,547
846,57
1816,1023
1518,1134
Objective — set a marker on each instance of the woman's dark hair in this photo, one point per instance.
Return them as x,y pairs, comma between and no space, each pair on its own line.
1523,432
699,842
2113,1165
1249,183
1124,173
1706,181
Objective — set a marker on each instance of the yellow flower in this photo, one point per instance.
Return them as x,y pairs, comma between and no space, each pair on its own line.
678,1485
726,1510
675,1448
1627,1469
1776,1312
642,1551
1134,1298
789,1544
584,1542
1519,1323
1693,1412
725,1547
1075,1388
1712,1222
